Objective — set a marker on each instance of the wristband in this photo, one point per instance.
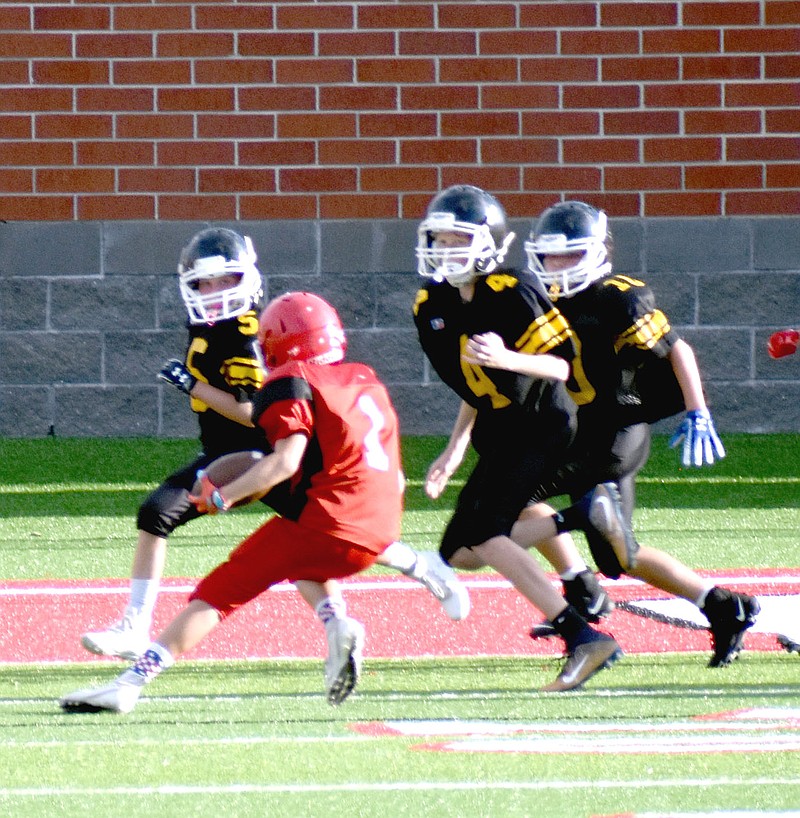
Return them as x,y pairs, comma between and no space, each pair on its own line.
219,501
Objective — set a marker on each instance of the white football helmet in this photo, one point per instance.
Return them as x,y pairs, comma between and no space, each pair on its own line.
213,253
470,211
565,228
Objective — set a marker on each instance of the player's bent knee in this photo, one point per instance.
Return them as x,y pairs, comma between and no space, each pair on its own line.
154,520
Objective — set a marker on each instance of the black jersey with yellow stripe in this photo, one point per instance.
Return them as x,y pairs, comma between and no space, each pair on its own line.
623,342
513,305
226,355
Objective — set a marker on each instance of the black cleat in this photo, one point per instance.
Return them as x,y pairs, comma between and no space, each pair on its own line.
729,615
602,508
585,659
788,644
543,630
588,598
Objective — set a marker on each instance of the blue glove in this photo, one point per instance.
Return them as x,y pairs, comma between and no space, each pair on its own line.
178,375
701,443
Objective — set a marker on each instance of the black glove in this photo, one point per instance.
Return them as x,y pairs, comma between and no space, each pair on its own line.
177,374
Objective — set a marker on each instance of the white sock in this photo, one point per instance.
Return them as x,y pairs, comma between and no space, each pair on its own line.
331,608
152,662
573,572
401,557
701,600
144,593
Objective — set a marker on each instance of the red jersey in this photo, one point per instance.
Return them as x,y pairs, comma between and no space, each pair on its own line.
350,483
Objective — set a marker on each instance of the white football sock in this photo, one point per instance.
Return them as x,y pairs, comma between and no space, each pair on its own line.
701,600
573,572
152,662
401,557
331,608
144,593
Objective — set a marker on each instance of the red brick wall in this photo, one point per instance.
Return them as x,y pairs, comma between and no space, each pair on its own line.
332,110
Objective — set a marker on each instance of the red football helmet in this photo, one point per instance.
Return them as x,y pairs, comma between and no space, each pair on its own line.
301,327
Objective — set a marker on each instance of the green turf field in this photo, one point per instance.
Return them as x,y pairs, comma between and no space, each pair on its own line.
432,737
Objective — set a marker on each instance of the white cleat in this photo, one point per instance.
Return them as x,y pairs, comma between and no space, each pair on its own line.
584,661
116,697
345,658
440,579
125,640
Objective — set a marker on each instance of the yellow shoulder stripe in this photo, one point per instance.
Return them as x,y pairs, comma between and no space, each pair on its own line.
645,333
544,334
242,372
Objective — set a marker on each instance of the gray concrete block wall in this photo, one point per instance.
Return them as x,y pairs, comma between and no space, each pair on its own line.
90,310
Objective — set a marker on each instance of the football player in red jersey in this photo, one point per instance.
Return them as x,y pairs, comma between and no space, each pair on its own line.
521,424
634,369
333,435
223,367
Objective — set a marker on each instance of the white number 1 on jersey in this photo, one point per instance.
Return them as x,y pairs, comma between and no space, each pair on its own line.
374,453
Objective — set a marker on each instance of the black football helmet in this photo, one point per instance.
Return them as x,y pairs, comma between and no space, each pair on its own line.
476,214
570,227
213,253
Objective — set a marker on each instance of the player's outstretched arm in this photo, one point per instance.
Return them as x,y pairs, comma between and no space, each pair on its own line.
446,464
701,443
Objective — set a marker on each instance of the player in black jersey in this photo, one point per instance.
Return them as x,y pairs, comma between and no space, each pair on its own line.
631,369
521,425
221,370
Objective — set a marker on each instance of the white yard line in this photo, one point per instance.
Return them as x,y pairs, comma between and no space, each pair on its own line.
398,786
90,589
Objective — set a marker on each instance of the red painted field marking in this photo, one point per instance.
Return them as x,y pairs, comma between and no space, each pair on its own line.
43,621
